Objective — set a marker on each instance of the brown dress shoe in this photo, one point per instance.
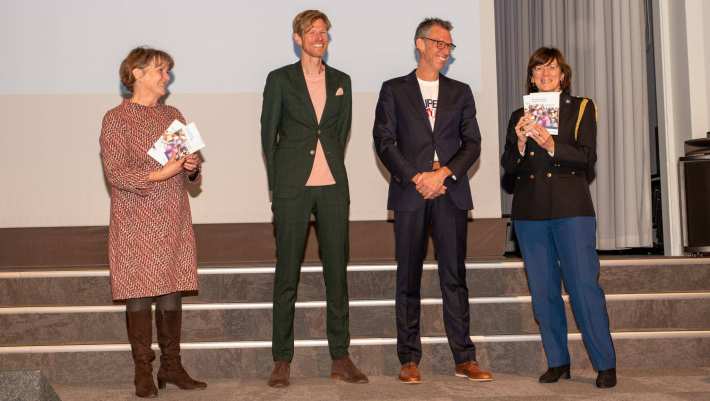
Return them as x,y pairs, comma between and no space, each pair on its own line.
409,373
473,372
280,374
344,369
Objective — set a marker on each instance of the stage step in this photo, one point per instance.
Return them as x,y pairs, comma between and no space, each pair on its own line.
245,284
64,322
503,354
368,319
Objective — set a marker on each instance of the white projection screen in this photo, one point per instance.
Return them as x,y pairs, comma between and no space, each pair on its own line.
59,75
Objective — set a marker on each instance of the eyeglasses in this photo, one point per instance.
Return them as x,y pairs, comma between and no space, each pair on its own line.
546,67
441,44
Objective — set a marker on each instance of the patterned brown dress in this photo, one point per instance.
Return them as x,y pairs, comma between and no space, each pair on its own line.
151,244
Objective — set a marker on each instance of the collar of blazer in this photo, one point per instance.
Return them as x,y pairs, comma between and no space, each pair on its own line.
414,94
299,81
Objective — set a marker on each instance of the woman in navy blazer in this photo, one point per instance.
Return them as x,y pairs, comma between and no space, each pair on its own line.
554,221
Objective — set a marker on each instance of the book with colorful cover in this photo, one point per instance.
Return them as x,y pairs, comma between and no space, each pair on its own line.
544,107
178,139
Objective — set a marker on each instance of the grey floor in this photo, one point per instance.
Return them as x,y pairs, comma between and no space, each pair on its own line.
634,384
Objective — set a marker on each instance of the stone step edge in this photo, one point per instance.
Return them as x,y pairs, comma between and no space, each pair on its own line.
518,299
631,335
77,273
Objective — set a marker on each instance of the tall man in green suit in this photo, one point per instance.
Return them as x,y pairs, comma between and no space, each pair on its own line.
305,121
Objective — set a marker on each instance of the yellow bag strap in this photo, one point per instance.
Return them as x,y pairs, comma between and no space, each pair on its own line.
582,106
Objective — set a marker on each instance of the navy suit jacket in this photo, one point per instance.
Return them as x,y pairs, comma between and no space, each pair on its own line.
405,141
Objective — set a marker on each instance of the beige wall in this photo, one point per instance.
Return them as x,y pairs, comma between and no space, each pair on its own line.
683,96
697,13
53,173
55,177
706,41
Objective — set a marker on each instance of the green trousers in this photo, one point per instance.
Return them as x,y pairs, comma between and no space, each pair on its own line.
291,218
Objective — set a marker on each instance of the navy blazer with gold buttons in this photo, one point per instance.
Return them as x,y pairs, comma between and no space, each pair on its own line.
551,187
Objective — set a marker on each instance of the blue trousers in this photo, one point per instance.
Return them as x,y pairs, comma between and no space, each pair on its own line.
558,250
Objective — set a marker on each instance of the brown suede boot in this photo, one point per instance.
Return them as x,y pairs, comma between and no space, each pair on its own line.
280,374
344,369
140,334
169,324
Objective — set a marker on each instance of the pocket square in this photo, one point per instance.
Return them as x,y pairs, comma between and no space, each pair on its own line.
339,92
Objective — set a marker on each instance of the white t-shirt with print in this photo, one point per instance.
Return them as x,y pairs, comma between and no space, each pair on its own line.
430,93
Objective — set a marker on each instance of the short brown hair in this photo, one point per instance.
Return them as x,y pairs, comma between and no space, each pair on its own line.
141,57
545,55
305,19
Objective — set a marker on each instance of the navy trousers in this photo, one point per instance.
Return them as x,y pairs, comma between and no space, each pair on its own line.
449,228
558,250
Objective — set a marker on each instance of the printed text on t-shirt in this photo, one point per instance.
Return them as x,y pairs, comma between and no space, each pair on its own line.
430,106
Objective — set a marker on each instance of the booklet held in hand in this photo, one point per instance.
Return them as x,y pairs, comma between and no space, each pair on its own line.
178,139
544,107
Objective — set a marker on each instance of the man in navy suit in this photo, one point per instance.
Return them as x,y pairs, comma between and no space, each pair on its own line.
427,136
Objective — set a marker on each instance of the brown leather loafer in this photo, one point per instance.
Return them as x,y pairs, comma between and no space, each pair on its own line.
344,369
280,374
473,372
409,373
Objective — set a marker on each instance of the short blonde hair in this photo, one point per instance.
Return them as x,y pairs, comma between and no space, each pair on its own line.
141,57
305,19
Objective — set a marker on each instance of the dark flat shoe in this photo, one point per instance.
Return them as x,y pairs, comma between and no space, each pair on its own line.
606,378
554,374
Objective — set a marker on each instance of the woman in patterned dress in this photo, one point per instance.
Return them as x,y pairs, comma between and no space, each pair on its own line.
151,244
